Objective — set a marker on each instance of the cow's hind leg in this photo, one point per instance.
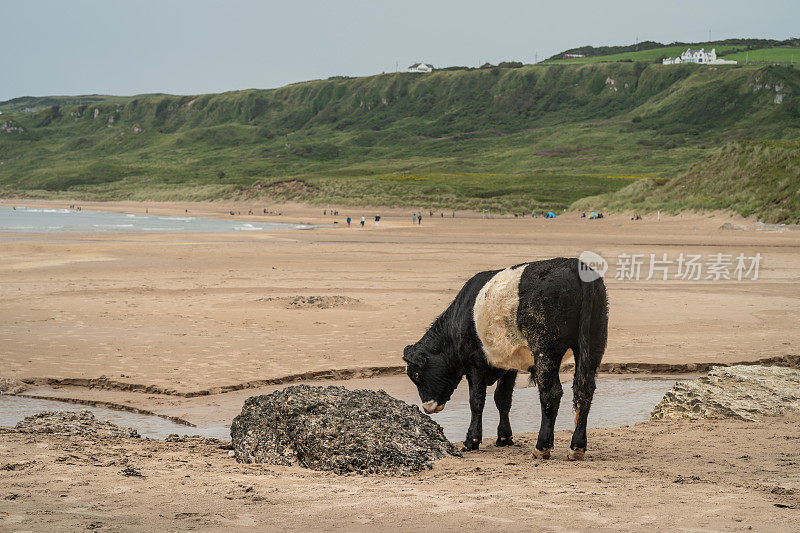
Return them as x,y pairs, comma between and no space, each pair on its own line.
502,399
550,391
583,386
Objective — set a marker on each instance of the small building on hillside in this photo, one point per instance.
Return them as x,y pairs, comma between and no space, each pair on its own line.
573,56
701,56
420,67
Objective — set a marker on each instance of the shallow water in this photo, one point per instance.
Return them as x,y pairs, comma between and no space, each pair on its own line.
15,408
617,402
45,220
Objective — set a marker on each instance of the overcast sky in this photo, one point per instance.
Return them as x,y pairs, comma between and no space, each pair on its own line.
199,46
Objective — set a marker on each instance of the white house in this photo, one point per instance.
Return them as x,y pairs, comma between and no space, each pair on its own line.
702,56
420,67
699,56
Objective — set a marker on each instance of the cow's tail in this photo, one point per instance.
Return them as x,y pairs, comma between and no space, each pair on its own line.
592,336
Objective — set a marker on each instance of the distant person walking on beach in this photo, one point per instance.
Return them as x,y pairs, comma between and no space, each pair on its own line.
363,219
377,219
419,218
348,222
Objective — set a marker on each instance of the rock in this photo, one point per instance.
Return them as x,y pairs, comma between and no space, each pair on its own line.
12,386
760,226
73,423
729,226
333,428
743,392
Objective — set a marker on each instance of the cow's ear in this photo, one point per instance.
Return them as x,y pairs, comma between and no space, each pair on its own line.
414,357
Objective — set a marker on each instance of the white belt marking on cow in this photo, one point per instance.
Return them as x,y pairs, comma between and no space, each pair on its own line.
495,315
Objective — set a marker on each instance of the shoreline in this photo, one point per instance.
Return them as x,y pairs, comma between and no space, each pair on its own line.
639,369
300,213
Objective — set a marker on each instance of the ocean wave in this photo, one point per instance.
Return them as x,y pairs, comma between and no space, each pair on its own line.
42,210
247,227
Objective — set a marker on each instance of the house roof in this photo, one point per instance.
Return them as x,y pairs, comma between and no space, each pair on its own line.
415,65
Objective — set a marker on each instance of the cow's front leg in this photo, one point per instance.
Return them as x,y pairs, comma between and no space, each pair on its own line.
477,399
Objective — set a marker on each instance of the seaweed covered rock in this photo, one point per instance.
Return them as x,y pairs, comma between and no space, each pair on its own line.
743,392
12,386
337,429
73,423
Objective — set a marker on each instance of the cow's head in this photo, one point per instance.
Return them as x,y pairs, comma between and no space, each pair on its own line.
433,374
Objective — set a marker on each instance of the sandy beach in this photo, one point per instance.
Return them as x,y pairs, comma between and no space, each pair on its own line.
659,476
170,316
195,311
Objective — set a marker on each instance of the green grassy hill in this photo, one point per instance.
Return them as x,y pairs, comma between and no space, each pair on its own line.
752,178
503,139
749,51
726,45
648,56
786,54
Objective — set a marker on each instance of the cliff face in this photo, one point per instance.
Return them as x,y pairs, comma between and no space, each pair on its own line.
449,102
622,118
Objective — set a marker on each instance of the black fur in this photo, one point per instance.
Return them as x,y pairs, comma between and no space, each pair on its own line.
557,311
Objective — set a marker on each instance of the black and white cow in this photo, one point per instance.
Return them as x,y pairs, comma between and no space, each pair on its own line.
523,318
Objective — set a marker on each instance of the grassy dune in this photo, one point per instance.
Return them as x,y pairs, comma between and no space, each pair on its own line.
752,178
501,139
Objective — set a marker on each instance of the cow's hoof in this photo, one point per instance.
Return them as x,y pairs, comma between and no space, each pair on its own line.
504,441
541,454
576,454
471,445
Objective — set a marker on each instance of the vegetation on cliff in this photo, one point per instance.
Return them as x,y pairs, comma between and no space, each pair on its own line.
501,138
